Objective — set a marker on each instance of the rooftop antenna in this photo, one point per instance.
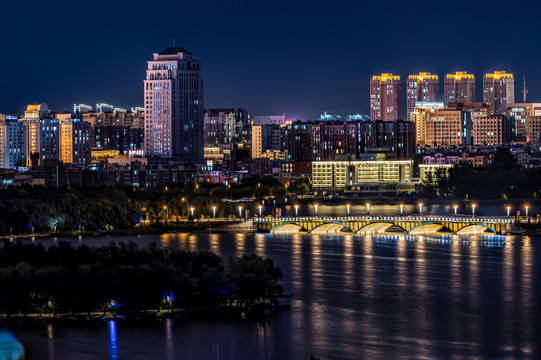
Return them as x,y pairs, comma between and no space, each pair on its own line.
524,90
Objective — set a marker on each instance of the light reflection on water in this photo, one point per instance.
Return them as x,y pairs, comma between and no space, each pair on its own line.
353,297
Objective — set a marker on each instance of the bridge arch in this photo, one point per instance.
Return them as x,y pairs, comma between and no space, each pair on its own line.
286,228
332,228
381,228
429,228
476,229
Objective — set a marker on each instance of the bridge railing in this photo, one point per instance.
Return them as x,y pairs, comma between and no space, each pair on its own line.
469,219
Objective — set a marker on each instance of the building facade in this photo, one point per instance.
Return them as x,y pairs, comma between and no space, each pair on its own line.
385,95
423,87
459,87
498,91
173,92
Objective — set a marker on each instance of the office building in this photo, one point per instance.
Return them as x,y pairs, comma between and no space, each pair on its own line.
459,87
443,128
418,117
339,175
269,119
385,93
523,112
12,142
498,91
423,87
103,108
173,92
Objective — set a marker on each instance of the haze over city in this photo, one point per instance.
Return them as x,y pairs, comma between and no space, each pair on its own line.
301,58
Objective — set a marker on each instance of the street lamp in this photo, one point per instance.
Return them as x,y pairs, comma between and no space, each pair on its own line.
187,204
192,209
240,212
456,207
527,210
420,208
316,205
260,207
296,210
165,207
473,210
401,209
508,211
347,206
367,209
214,212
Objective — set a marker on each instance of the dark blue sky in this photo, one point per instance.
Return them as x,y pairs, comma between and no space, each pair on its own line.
298,57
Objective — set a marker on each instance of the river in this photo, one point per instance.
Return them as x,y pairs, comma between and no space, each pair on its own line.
353,297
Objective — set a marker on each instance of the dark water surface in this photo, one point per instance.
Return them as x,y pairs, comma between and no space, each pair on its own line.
354,297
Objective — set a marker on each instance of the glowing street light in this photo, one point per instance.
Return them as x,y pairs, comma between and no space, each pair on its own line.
214,212
347,206
367,209
527,210
316,205
191,210
420,208
508,211
260,207
456,208
296,210
401,209
473,210
240,212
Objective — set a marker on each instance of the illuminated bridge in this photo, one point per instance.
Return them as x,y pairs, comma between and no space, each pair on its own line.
386,225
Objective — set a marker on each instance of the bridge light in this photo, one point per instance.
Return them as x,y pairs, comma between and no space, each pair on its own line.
240,212
260,207
508,211
316,205
420,208
296,210
401,209
347,206
456,207
367,209
473,210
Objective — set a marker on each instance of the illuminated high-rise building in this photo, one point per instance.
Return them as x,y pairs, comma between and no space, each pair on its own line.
498,91
423,87
12,142
174,106
459,87
418,116
385,97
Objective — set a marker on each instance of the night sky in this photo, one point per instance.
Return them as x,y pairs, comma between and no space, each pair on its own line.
301,58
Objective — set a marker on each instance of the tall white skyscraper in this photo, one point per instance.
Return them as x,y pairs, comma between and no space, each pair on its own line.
174,106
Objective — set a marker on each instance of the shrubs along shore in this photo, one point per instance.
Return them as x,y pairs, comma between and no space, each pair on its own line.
126,281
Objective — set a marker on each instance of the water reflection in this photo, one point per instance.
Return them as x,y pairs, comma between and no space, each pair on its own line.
50,337
353,297
112,340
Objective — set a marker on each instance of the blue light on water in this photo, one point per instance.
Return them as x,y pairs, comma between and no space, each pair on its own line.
112,340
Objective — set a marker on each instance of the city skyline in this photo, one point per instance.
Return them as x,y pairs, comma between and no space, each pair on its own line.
270,69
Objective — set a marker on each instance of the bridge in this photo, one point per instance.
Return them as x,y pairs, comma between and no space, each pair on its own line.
386,225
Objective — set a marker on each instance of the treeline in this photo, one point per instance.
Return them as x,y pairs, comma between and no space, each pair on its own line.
503,180
35,209
123,278
26,210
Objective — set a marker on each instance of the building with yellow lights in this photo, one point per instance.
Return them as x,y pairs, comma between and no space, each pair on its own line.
385,97
443,128
498,91
339,175
527,121
423,87
418,116
459,88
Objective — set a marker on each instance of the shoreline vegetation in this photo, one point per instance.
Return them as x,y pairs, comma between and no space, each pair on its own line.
121,281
